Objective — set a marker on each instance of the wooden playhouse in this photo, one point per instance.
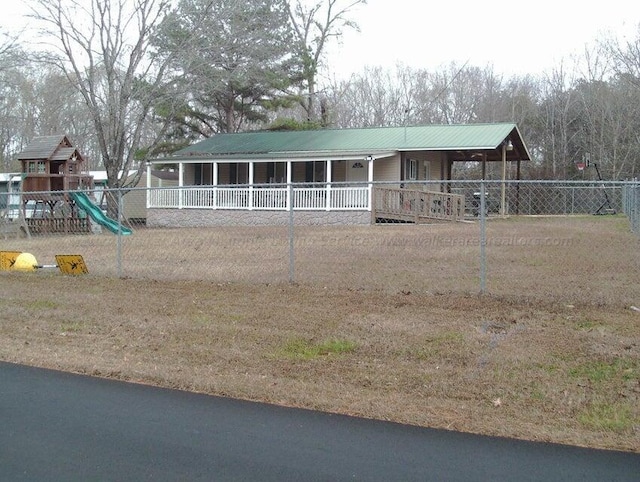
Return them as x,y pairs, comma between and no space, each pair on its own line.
51,167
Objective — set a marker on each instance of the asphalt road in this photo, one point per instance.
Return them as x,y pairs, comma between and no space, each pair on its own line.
61,427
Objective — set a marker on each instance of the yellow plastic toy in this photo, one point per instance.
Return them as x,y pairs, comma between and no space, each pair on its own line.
25,262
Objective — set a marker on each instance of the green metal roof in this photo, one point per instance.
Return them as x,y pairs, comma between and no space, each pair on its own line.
285,144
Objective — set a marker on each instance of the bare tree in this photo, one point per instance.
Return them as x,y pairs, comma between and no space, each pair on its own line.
10,51
15,88
557,115
376,97
626,57
103,48
457,93
12,80
314,26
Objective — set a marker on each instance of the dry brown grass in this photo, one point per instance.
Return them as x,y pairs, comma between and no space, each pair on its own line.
383,322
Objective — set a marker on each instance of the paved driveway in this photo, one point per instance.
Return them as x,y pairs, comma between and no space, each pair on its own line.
63,427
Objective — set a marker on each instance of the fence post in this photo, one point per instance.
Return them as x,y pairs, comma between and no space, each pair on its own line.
291,250
483,240
119,235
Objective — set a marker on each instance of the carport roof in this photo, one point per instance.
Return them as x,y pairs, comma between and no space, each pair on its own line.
461,140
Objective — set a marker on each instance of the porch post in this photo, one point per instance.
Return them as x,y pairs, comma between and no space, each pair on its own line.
180,184
214,201
250,185
289,189
370,180
329,175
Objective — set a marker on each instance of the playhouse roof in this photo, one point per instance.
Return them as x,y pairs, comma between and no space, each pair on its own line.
50,148
44,147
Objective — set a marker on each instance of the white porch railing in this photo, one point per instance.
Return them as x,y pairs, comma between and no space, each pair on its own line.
260,198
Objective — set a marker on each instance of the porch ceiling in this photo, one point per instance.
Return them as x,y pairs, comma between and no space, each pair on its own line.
488,155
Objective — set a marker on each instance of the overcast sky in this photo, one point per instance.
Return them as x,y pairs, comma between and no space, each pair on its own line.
514,37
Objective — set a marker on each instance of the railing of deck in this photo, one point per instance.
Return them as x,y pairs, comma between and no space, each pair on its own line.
416,205
261,198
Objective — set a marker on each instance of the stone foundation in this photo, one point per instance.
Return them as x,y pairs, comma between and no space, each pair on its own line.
196,218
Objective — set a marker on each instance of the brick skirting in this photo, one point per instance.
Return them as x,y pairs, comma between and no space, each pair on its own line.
192,218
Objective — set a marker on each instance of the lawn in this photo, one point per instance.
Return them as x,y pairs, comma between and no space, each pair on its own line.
383,322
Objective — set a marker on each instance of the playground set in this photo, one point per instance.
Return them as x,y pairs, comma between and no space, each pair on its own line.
55,191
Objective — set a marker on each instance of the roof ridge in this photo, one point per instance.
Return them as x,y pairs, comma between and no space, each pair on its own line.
351,129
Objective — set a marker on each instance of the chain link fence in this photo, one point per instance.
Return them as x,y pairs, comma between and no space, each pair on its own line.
559,238
631,204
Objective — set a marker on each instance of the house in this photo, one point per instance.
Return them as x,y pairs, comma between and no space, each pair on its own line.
10,193
326,176
11,224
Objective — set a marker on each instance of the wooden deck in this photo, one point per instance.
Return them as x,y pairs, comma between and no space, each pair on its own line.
407,205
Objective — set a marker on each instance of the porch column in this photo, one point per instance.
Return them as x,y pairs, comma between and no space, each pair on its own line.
180,184
370,181
251,185
507,145
329,178
289,190
214,201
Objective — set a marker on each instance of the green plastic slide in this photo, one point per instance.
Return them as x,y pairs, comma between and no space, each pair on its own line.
83,201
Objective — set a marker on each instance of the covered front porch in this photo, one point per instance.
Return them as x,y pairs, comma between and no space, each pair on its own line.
309,184
325,197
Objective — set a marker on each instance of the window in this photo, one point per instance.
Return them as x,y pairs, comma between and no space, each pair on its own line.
277,172
198,175
314,171
318,171
412,169
238,173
